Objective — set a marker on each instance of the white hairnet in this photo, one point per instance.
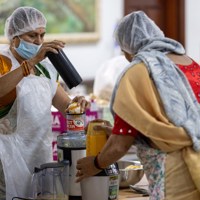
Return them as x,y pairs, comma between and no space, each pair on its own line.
135,30
23,20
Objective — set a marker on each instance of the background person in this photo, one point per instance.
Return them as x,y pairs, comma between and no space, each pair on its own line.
108,72
156,107
28,89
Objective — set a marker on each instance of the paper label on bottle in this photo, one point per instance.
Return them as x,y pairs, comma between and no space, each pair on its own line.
113,187
75,123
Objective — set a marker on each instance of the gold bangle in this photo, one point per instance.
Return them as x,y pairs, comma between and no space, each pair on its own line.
25,68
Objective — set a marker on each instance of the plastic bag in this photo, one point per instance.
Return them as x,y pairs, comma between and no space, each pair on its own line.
5,126
107,75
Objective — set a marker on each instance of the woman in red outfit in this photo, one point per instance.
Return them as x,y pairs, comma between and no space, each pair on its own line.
156,107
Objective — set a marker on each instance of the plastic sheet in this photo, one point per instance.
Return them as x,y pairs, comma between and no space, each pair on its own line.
27,143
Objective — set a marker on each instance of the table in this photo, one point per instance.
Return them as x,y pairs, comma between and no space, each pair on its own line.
128,194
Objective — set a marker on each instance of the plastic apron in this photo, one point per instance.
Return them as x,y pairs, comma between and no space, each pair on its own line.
28,141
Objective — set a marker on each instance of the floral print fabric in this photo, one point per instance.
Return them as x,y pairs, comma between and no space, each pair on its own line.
153,161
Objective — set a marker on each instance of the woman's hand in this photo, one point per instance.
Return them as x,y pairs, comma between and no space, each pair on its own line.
53,47
105,126
86,168
82,102
5,127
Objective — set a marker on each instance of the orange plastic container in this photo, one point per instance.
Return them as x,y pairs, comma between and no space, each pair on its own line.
95,140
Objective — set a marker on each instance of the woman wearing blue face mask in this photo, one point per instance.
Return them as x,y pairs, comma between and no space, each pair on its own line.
28,89
26,49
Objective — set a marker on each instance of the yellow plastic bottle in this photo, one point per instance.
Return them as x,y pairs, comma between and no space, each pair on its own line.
95,140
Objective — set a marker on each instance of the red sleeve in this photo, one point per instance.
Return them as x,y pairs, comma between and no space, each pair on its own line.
123,128
192,73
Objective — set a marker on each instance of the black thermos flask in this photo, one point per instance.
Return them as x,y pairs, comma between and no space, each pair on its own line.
65,68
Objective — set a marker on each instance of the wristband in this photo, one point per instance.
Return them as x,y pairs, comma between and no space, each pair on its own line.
96,164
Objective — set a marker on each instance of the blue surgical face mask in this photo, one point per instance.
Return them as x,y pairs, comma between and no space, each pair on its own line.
27,50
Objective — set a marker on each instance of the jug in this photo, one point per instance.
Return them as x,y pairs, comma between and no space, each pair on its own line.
102,186
51,181
95,139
